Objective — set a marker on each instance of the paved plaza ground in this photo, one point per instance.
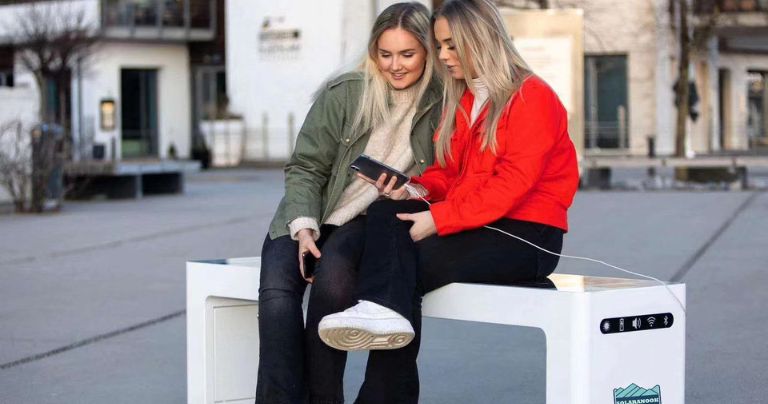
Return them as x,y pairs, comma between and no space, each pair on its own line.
92,307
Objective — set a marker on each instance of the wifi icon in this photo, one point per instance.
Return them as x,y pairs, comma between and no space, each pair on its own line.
651,321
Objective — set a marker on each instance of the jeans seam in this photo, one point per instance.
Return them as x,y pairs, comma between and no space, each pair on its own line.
394,258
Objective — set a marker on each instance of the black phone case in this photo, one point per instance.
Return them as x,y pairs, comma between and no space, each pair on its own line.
309,264
373,169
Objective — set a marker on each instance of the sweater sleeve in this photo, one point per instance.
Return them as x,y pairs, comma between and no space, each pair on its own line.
533,126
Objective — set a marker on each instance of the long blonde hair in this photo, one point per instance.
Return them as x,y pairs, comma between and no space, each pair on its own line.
374,103
481,40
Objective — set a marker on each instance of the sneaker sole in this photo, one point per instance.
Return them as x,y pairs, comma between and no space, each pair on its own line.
355,339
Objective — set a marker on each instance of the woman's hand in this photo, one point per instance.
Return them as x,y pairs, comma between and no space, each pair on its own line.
386,187
306,246
423,224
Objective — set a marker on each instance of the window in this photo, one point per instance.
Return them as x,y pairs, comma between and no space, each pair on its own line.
730,6
6,66
605,99
159,13
6,78
757,109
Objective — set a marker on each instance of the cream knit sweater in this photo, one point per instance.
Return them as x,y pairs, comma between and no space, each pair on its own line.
480,90
389,143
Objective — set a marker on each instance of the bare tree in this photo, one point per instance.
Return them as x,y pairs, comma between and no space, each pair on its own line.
50,38
682,89
694,29
15,163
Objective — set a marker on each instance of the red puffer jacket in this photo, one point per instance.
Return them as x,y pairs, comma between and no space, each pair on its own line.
533,175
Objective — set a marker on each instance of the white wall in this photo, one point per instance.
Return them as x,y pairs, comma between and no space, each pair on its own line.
333,37
18,103
357,18
630,27
4,197
665,74
101,79
276,85
9,14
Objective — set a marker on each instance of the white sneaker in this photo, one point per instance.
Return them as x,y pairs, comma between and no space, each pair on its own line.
365,326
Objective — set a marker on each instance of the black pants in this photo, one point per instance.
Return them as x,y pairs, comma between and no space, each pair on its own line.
295,366
334,290
395,272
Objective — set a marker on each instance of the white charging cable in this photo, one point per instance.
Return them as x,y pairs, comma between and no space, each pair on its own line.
415,192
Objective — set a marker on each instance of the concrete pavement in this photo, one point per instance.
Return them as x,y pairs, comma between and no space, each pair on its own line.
93,297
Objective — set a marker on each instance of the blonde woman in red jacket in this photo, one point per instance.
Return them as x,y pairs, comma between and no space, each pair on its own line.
504,160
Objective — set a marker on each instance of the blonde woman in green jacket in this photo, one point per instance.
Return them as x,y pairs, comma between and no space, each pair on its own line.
388,109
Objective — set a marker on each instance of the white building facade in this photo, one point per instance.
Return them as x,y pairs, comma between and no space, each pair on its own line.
278,56
631,66
278,53
131,97
631,55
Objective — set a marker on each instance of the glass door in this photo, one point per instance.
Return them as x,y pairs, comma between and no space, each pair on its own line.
138,90
757,110
605,100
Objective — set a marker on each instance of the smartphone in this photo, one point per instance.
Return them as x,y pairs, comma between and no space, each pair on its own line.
372,169
309,264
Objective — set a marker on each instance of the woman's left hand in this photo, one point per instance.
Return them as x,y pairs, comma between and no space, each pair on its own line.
386,188
423,224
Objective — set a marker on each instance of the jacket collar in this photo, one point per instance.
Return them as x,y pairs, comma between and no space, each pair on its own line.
432,95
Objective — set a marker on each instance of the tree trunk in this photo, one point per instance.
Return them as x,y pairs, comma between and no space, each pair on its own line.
681,90
40,156
43,95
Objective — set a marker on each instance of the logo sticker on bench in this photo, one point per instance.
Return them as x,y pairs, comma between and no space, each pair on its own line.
634,394
639,322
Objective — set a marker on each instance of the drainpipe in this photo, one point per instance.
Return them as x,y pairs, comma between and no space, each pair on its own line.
79,150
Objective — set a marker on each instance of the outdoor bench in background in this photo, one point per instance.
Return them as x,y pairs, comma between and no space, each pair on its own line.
703,169
609,340
127,179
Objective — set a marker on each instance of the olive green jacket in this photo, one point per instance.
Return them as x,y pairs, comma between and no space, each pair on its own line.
318,171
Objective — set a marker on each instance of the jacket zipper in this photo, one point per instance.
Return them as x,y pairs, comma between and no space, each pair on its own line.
415,120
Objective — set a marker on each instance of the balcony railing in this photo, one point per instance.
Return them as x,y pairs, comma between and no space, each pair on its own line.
160,19
731,6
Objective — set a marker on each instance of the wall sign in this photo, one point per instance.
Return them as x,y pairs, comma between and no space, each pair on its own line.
277,40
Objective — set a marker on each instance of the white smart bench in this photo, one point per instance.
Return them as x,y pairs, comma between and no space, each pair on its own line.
602,346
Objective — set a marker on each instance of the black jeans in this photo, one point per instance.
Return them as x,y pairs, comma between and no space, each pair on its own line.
295,366
281,324
395,272
281,371
332,291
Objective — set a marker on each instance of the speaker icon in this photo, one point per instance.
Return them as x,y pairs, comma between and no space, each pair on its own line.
637,323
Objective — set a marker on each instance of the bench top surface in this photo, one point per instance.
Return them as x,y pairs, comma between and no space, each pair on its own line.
663,161
562,282
131,167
